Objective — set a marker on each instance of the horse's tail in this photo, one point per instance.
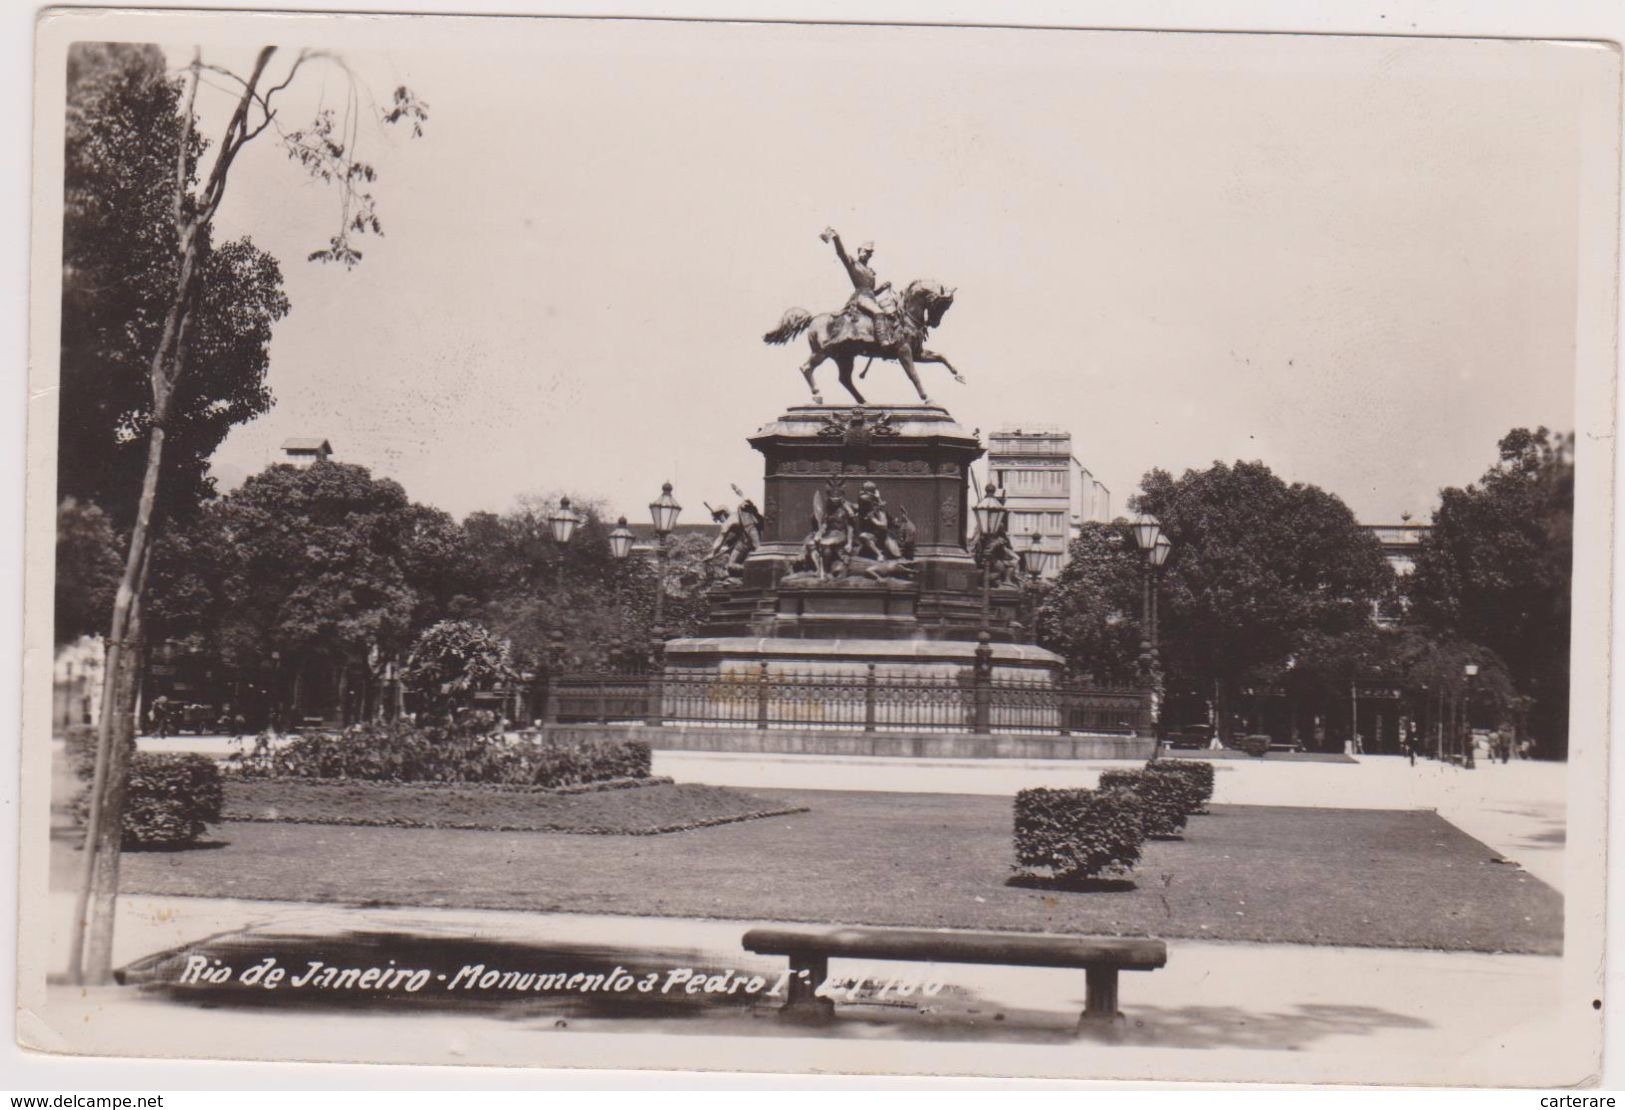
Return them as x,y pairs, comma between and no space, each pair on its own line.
794,323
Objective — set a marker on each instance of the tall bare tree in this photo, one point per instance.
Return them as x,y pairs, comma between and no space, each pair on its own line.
326,150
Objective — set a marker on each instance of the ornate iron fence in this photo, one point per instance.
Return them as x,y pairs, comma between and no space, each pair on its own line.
848,700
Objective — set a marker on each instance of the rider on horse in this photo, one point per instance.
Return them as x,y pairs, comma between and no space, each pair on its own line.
876,301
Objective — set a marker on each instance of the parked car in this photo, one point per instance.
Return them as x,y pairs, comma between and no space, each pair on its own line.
194,718
1189,736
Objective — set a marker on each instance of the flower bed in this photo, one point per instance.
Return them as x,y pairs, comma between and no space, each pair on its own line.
471,749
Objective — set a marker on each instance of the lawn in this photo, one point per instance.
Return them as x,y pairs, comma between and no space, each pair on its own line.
633,810
1403,879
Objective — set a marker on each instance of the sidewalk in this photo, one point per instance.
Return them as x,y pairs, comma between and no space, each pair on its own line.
1302,1013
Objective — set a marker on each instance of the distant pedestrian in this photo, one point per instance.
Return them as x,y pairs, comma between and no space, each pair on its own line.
160,716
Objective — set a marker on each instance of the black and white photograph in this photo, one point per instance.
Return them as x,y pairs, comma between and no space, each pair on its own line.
819,548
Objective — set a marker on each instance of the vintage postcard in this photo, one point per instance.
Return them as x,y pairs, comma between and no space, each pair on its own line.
819,547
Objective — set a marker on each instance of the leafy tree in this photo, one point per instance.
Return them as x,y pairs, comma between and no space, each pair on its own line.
120,253
1257,566
1497,568
454,659
1427,667
327,565
88,563
1091,614
173,334
527,588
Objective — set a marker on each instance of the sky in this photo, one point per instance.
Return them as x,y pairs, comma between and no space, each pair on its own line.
1350,258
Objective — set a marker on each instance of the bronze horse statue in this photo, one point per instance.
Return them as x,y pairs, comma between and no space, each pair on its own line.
845,335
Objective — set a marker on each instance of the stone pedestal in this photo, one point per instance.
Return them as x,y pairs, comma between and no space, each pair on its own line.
919,458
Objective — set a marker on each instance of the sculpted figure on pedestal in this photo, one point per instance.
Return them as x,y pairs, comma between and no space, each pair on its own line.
736,538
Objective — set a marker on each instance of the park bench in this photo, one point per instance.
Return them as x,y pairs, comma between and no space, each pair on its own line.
810,950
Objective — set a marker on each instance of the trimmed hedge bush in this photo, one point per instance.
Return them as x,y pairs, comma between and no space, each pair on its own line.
471,749
1253,745
1198,772
170,801
1183,788
1078,833
1162,798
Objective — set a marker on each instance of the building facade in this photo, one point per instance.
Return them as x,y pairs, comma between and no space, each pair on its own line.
306,450
1047,489
1399,546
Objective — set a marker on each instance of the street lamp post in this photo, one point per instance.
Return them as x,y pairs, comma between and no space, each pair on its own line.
1036,561
564,523
1471,672
991,518
620,546
1147,531
1157,556
663,511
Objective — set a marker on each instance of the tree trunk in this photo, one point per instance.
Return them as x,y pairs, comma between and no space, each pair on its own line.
90,959
105,826
103,907
344,693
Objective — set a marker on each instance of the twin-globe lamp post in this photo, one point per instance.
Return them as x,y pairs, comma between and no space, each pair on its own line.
565,520
664,510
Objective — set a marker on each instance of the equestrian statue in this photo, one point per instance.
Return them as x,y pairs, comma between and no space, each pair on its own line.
877,322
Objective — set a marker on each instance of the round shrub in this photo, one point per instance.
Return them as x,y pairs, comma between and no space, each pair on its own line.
1199,774
1078,833
1184,789
1254,745
170,801
1162,798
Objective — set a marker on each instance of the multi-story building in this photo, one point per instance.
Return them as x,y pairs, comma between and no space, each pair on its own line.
1399,545
306,450
1047,489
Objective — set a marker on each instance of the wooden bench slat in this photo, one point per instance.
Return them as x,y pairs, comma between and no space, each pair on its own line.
1013,949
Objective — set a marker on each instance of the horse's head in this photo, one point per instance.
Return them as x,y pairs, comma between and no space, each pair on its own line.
926,301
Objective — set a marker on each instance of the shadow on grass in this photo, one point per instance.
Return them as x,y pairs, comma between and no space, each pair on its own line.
173,849
75,837
1072,884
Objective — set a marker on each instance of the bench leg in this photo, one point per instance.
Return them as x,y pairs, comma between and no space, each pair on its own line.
1100,1004
807,974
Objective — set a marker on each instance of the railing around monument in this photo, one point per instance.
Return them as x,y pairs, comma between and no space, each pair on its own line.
861,700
